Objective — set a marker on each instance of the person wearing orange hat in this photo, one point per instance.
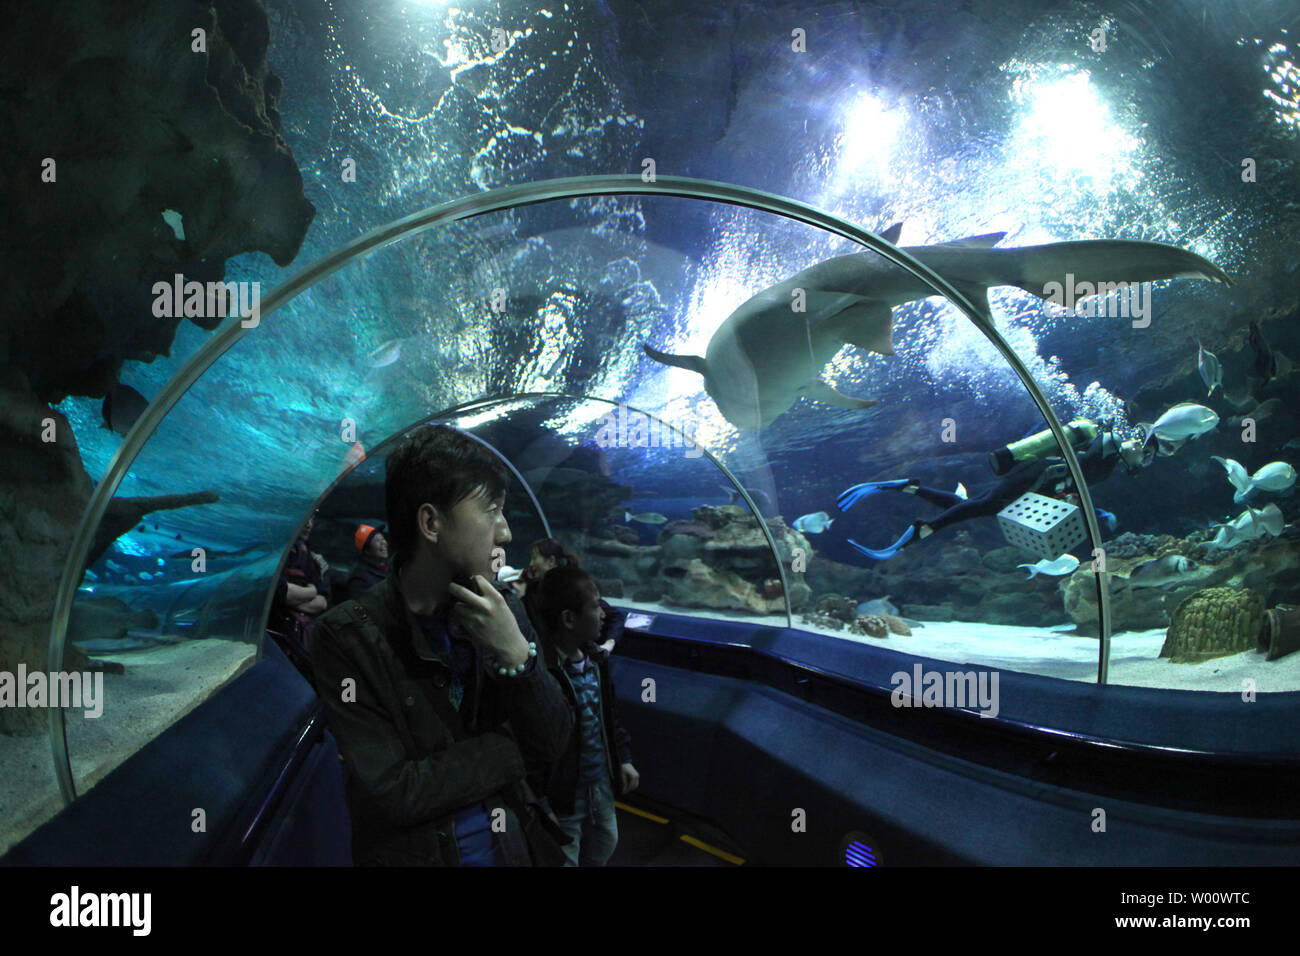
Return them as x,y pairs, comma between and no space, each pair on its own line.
372,567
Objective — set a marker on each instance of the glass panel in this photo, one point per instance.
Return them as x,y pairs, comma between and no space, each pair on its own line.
557,297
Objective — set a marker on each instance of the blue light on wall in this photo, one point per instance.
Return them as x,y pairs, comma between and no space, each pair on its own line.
859,854
859,849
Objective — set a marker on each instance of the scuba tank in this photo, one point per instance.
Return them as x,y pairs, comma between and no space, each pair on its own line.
1080,432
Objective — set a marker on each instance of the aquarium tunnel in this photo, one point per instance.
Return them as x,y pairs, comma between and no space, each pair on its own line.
692,544
921,408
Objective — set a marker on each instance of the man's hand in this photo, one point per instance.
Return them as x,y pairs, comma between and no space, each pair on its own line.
487,619
631,779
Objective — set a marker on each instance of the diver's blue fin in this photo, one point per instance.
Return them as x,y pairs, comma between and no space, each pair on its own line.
851,496
889,552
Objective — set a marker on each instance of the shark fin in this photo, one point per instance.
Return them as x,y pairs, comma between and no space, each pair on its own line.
977,292
892,233
867,325
692,363
986,241
1101,263
819,391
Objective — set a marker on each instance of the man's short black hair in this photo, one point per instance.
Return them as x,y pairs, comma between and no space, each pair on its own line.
437,465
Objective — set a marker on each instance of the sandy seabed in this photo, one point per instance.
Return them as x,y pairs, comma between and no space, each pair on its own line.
161,685
1053,651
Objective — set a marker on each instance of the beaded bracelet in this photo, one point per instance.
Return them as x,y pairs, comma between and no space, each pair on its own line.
516,671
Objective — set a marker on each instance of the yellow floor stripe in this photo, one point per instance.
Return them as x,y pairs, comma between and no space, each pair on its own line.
640,813
720,854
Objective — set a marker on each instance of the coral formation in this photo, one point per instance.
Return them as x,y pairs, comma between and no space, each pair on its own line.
1214,622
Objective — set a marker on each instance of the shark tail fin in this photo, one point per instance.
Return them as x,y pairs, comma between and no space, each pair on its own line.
692,363
1103,262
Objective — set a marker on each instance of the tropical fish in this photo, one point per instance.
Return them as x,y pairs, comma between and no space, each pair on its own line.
650,517
1211,370
1109,523
815,523
1065,564
1250,524
877,606
765,355
122,406
1275,476
760,497
1183,421
1171,569
386,354
1265,361
173,219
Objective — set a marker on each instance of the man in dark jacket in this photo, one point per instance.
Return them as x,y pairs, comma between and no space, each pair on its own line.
597,764
433,689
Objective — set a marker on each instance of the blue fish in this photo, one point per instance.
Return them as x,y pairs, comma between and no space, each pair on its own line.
815,523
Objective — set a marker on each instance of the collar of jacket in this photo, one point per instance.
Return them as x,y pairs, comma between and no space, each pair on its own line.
396,609
555,659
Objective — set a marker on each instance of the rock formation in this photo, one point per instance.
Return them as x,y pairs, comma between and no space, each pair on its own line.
113,117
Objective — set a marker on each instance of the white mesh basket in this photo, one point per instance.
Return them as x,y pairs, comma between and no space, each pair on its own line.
1042,526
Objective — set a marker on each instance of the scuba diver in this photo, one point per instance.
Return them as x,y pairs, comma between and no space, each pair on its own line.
1021,469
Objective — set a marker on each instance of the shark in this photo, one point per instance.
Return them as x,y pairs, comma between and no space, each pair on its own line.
766,355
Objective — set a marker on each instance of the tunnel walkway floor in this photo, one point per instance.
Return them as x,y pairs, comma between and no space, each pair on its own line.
652,835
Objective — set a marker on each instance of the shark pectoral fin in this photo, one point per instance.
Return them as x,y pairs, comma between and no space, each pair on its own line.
692,363
819,391
978,295
867,325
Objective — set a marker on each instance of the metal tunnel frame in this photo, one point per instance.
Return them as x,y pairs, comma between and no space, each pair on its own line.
528,490
758,515
497,200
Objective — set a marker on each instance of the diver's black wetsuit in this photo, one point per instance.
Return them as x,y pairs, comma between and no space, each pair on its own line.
1047,476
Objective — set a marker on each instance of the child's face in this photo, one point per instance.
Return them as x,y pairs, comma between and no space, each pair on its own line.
589,618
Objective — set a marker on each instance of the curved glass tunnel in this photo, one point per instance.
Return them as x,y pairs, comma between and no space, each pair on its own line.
531,340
